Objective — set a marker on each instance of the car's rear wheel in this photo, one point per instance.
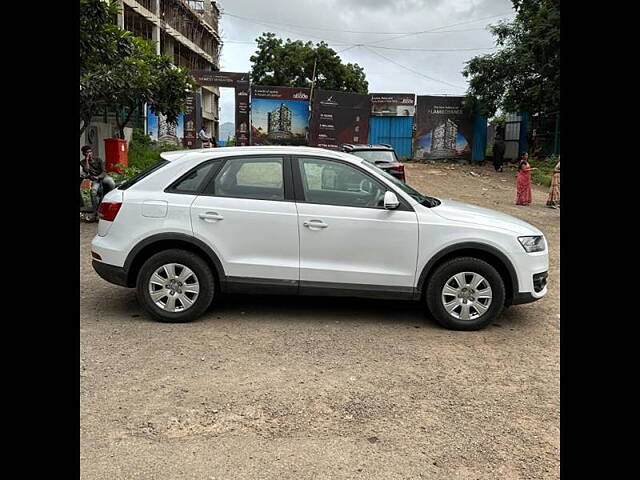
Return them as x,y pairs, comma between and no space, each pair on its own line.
465,293
175,286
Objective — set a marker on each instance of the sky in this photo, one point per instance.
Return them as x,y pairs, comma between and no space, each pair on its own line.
455,31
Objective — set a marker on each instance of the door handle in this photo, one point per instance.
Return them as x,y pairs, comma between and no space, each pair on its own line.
315,224
211,216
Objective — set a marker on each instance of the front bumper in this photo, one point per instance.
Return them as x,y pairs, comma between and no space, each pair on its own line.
110,273
539,281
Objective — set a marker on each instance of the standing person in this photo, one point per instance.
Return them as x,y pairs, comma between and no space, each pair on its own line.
523,181
498,153
553,200
92,168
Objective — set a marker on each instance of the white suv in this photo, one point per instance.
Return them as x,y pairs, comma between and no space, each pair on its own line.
308,221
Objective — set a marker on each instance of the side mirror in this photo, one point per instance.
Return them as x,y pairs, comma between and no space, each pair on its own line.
391,201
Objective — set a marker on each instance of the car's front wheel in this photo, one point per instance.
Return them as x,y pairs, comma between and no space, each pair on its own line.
175,286
465,293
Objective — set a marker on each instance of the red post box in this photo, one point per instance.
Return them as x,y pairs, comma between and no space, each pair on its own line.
116,153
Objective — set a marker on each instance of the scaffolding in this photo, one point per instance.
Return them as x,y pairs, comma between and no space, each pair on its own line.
178,15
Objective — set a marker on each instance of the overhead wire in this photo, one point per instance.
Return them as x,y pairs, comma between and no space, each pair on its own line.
372,45
414,71
437,28
307,27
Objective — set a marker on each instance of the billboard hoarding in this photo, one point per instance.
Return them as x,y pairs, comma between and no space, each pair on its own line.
220,79
242,116
338,118
240,82
190,130
393,104
162,131
279,115
444,130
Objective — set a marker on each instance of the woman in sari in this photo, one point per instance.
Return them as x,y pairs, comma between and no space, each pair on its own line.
523,181
553,200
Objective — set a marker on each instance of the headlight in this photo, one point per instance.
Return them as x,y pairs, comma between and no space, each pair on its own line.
533,244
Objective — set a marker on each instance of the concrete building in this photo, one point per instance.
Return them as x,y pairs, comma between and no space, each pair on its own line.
186,32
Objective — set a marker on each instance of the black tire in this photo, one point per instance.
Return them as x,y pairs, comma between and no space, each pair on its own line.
444,272
189,259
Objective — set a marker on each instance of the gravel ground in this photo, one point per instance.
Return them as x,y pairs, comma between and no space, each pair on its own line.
290,388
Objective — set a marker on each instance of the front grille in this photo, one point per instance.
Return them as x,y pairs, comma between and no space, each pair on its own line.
540,281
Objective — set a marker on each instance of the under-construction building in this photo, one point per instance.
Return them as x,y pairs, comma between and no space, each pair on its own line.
279,120
186,32
443,139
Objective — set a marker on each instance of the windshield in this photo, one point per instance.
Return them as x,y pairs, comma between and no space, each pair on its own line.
373,156
417,196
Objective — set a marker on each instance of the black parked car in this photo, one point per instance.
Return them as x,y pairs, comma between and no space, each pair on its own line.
382,156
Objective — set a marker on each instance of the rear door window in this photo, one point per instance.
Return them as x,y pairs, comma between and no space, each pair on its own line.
259,178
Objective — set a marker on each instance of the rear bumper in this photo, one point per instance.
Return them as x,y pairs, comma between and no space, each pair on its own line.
110,273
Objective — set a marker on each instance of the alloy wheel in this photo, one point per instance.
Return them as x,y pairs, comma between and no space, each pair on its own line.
466,296
174,287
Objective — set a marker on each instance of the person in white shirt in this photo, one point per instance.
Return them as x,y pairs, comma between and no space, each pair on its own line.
202,135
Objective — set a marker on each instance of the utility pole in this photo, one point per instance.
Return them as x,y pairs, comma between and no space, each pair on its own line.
313,81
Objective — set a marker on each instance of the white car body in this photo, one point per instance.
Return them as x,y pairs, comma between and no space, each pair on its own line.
269,244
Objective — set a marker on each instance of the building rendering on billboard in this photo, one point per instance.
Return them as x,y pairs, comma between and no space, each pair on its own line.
444,130
162,131
279,115
279,120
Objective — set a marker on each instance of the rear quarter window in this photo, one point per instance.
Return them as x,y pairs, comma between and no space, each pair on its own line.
194,181
133,180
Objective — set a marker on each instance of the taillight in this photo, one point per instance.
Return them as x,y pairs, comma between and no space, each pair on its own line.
108,210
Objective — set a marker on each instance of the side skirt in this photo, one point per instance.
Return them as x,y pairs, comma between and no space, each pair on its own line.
269,286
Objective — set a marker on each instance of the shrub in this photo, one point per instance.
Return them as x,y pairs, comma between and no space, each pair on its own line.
544,174
144,152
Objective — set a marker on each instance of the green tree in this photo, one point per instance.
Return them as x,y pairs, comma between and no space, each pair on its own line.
291,64
101,41
144,77
121,72
524,75
102,44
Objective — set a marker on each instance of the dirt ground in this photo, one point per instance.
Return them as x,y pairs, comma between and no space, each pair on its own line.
297,388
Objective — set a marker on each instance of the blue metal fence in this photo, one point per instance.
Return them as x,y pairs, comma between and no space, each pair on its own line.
479,141
396,131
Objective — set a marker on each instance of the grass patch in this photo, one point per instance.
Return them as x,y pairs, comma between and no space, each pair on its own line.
544,174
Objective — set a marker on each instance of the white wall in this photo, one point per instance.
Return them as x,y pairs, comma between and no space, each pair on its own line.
105,130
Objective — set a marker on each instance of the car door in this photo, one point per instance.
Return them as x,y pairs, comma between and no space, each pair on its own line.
248,217
348,241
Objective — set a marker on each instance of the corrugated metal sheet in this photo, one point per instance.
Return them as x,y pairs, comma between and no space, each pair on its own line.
524,126
512,136
396,131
